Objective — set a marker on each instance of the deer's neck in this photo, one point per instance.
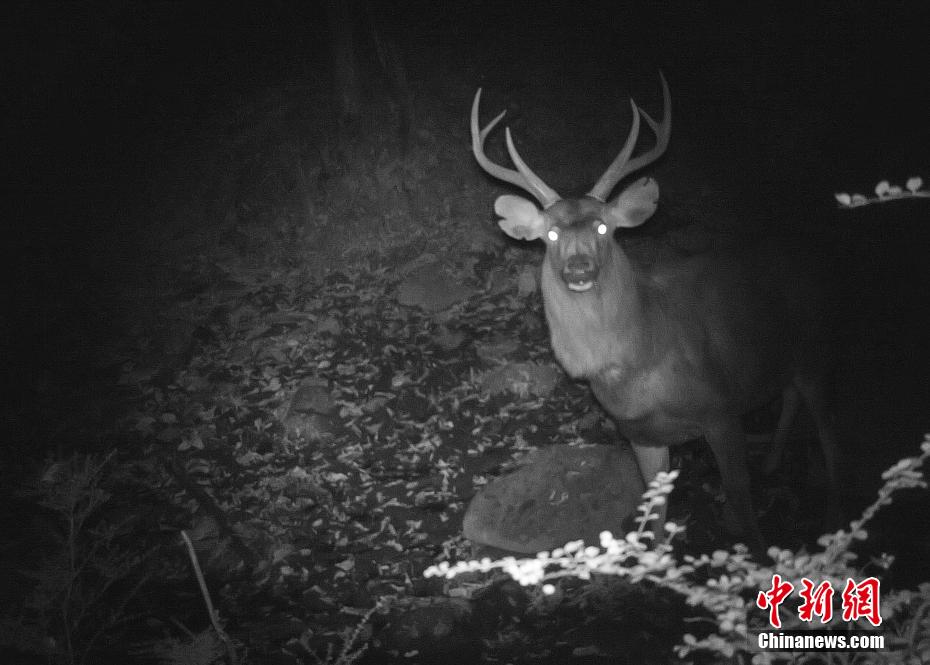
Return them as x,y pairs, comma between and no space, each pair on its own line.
597,329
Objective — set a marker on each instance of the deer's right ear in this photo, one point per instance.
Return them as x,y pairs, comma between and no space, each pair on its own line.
522,220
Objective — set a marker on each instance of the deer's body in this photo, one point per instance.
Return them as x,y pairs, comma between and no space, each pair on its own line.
681,348
678,348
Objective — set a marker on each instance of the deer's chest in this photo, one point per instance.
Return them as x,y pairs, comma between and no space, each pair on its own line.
662,404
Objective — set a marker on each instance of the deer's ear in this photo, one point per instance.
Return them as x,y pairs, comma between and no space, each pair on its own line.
634,205
522,220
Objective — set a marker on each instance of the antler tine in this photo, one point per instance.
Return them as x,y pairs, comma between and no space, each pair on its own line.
615,171
545,194
523,177
622,164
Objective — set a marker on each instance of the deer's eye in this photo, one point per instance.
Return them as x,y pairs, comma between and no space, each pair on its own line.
553,235
602,229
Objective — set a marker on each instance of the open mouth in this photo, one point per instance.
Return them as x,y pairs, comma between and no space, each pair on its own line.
580,286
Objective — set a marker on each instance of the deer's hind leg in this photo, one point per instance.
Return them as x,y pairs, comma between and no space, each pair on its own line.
727,441
790,401
813,393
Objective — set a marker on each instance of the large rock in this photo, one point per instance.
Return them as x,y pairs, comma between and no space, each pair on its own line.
432,288
562,493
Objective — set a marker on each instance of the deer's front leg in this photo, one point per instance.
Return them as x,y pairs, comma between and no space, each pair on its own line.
727,440
651,460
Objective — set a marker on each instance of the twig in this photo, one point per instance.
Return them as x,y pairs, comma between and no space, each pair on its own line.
205,592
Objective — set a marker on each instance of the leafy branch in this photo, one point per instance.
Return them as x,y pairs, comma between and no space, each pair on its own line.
885,192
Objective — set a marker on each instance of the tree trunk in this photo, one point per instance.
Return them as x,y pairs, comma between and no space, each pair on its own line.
344,62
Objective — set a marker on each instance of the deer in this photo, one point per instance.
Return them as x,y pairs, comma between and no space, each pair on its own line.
678,349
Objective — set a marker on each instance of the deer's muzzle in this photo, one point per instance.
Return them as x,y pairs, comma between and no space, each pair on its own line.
579,273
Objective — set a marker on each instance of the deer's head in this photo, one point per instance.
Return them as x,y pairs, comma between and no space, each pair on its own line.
578,232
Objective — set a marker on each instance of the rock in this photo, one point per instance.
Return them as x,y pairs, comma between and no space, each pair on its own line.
562,493
309,427
313,396
431,288
521,379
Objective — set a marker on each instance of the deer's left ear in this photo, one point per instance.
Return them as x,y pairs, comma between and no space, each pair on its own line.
634,205
522,220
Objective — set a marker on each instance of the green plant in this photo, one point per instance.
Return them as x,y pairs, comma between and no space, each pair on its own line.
82,579
726,583
354,639
885,192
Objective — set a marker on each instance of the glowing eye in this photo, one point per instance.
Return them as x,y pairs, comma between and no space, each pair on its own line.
553,235
602,228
